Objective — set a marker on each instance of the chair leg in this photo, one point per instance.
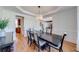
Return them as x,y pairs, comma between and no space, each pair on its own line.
49,49
60,50
28,41
38,49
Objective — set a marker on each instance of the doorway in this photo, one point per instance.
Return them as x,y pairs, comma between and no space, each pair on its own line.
20,25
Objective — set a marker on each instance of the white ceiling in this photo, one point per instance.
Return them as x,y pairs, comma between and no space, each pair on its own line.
34,10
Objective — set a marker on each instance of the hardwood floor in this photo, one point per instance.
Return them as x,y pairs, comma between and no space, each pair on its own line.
69,47
21,45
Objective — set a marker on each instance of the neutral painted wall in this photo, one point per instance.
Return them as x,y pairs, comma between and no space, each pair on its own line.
11,17
66,21
29,21
77,28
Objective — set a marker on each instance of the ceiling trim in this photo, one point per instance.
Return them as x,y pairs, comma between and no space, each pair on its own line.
32,14
54,11
27,12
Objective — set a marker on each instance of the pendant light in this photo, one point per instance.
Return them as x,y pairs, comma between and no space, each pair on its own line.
40,17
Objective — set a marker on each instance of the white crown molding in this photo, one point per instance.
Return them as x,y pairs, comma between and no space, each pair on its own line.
27,12
24,11
54,11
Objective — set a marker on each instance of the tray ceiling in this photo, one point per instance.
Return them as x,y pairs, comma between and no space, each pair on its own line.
34,10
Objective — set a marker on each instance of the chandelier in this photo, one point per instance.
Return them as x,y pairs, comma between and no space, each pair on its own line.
39,17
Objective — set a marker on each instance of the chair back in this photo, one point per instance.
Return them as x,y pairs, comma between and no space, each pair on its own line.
58,40
28,35
62,40
35,37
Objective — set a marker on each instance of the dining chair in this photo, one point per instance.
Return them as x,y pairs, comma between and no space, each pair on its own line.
30,37
58,40
49,29
7,45
39,42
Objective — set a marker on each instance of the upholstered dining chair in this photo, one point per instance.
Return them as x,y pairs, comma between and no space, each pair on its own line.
30,37
39,42
58,40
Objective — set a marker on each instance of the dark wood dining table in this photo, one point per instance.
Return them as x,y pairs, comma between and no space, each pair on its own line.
53,39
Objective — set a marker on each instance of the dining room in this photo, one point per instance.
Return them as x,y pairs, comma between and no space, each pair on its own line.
45,29
61,23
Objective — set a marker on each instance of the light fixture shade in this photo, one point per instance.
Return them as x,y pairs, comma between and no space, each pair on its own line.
40,17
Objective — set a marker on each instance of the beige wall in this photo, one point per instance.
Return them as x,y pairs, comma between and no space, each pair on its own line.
77,28
4,13
66,21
